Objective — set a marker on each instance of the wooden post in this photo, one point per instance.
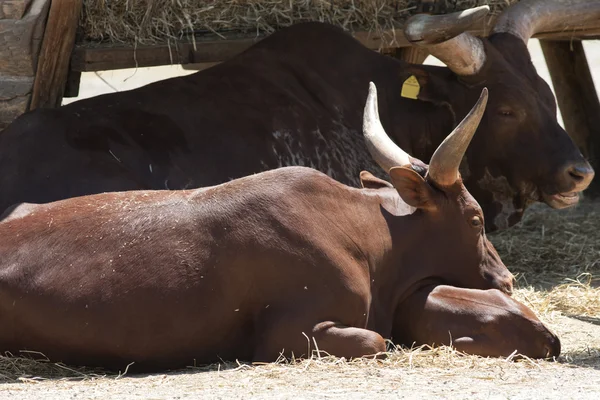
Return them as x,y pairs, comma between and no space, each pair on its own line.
72,84
57,46
576,97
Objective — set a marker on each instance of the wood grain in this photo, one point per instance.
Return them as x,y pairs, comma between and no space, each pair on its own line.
55,54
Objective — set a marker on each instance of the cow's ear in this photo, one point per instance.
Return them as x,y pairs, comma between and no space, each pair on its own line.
412,188
433,87
370,181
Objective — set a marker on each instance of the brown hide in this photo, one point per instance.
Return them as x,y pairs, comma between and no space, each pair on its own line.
296,98
236,271
483,322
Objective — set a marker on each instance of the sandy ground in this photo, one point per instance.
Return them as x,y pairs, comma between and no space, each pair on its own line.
418,375
575,376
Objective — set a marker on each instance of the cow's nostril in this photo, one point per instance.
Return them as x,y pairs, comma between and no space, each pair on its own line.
581,173
508,285
552,347
576,174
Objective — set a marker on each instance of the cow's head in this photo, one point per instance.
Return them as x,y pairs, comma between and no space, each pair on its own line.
521,154
450,222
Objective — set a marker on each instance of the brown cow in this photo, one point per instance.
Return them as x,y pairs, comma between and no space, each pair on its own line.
483,322
242,270
296,98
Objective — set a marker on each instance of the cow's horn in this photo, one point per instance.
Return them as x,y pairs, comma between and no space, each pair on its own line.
385,152
425,29
443,168
445,38
528,17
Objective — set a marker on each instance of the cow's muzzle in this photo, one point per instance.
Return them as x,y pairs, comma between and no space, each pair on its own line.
561,200
571,180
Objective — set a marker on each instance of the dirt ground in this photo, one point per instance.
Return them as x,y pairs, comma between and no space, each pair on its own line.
418,374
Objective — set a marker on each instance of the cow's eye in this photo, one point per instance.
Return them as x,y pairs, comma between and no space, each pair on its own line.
506,112
476,221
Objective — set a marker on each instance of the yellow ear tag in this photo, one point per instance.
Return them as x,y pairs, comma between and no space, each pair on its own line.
411,88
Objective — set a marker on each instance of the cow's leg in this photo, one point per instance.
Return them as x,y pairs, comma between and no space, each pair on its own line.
480,322
347,341
283,337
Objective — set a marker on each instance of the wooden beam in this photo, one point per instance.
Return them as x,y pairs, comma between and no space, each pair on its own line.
577,97
198,66
101,58
55,54
210,49
413,55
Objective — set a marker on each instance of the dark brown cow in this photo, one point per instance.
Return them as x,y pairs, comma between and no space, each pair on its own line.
483,322
245,269
296,98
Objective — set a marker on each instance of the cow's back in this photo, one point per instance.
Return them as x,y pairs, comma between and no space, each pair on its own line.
285,101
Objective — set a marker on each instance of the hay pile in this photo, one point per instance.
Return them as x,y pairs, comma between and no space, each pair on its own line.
151,21
555,255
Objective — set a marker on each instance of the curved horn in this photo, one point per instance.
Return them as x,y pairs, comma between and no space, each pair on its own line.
385,152
428,29
443,168
528,17
445,38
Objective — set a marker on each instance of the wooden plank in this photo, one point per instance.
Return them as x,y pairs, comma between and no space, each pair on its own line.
206,50
198,66
580,34
577,97
214,49
102,58
13,9
413,55
55,54
20,40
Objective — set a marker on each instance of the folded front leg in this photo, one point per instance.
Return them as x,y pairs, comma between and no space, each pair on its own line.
288,337
480,322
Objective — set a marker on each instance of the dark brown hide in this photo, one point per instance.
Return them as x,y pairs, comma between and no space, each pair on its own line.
296,98
236,271
520,154
482,322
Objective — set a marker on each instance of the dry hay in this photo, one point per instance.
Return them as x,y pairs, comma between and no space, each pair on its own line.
34,366
442,370
151,21
555,255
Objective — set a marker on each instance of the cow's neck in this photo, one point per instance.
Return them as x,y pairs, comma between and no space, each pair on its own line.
392,244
